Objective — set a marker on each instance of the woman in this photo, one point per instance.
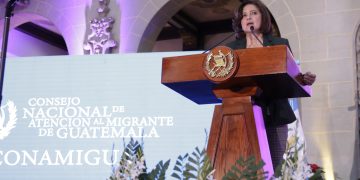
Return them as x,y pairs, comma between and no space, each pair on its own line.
252,24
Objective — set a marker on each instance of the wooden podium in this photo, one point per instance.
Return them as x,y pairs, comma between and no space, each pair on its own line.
237,128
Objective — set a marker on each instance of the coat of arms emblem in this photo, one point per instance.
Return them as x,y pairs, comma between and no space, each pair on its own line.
7,119
220,64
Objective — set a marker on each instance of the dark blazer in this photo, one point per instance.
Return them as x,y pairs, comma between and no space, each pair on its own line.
276,112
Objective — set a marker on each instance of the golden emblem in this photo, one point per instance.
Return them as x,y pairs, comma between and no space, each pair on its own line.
220,64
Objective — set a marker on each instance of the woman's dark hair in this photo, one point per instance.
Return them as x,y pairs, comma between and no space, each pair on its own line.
265,27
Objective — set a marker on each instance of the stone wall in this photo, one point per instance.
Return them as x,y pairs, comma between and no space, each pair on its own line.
322,35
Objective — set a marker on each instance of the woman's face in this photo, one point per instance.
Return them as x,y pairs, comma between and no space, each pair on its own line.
251,16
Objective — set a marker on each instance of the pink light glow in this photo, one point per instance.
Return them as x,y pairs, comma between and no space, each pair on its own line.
263,141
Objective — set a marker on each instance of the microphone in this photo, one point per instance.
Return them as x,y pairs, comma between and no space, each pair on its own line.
253,33
10,8
226,38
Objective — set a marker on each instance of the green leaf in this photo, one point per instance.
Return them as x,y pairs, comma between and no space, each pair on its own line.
318,175
246,169
164,168
192,160
180,166
176,168
190,167
196,156
189,175
175,176
160,170
197,150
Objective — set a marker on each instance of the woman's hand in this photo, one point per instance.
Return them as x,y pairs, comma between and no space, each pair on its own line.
308,78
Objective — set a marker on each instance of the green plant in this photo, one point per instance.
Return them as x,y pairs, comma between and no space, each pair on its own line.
246,169
318,172
194,166
294,164
159,172
132,165
179,167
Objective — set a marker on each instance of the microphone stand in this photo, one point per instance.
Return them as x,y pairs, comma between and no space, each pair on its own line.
8,13
253,33
226,38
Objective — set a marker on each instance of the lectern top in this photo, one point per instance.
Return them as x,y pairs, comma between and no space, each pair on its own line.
272,69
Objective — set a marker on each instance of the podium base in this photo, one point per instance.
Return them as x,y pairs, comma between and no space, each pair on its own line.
237,130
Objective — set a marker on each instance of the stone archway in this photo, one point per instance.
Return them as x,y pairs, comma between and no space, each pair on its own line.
30,46
64,15
286,24
154,27
282,12
34,11
33,40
